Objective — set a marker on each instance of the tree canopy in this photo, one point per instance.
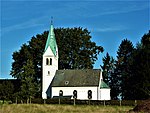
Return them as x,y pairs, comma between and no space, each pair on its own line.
76,50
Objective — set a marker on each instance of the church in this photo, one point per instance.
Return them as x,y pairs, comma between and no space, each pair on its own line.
79,84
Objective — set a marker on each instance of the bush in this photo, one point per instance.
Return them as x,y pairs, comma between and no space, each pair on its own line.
127,102
37,101
82,102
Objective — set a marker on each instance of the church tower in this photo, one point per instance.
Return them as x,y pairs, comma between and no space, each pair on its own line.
50,63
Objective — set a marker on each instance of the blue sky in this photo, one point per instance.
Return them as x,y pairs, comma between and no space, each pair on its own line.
109,21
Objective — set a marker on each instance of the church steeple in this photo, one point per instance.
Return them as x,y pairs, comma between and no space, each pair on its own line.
51,40
50,63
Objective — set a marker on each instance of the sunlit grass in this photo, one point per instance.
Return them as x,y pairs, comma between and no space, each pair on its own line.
48,108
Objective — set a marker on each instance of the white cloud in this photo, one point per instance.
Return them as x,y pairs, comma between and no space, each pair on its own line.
110,29
100,8
24,25
125,9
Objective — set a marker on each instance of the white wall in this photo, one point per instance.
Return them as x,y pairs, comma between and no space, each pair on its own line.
82,92
105,94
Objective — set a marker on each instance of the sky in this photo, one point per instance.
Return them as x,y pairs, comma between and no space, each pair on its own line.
109,21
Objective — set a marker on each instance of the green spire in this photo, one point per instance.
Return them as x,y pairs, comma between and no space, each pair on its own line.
51,41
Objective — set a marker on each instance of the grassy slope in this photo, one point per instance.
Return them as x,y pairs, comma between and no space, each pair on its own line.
47,108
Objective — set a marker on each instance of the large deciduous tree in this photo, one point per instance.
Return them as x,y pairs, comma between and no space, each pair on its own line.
76,50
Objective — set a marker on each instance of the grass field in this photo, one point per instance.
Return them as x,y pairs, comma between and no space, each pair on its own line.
48,108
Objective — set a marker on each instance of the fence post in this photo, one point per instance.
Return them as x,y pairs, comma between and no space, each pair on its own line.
30,100
74,101
104,103
89,102
120,102
59,101
16,100
135,103
21,101
44,101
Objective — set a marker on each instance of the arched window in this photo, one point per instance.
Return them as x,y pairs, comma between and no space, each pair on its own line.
47,61
60,93
50,61
89,94
48,72
75,94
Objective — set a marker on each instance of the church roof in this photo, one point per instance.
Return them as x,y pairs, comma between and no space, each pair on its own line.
76,78
51,40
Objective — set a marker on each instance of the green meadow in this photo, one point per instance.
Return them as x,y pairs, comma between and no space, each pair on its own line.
51,108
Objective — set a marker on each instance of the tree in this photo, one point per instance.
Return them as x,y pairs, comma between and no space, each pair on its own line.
76,51
122,68
6,90
107,67
28,86
109,77
140,70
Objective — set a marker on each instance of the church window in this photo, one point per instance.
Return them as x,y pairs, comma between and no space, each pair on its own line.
47,61
60,93
48,72
75,94
89,94
66,82
50,61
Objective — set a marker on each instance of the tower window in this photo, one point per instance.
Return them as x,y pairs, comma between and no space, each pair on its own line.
50,61
47,61
48,72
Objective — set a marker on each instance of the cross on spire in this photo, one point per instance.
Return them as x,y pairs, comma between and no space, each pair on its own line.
51,20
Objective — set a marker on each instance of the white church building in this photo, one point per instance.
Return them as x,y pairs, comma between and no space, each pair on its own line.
80,84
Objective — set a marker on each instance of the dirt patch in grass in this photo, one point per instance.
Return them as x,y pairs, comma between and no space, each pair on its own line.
142,107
